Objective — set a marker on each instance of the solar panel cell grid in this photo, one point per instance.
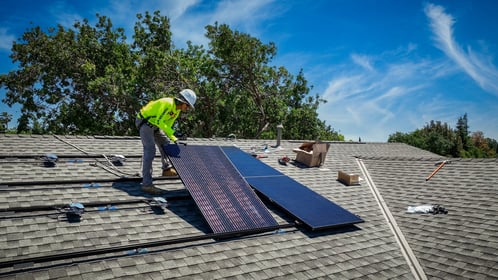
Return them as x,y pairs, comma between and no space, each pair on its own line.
303,203
225,199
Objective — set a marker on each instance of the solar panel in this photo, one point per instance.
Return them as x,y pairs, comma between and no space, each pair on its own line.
225,199
309,207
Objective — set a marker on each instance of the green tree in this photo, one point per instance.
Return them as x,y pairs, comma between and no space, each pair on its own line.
462,128
254,96
493,146
438,138
89,80
441,139
197,69
242,63
5,118
481,145
72,80
157,72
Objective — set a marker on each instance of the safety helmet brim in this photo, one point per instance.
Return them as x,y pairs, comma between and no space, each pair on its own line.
188,97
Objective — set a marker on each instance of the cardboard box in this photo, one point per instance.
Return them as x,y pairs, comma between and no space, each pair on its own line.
348,179
312,153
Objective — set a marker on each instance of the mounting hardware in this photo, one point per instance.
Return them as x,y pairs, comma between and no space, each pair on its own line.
159,202
91,185
73,211
108,208
157,205
118,159
137,251
50,160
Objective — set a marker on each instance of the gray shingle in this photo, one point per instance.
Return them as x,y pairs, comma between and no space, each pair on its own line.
461,244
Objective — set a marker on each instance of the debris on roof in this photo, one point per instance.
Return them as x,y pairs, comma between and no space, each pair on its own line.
348,179
426,209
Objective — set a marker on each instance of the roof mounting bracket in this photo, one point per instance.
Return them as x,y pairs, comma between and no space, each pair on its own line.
50,160
91,185
118,160
158,204
107,208
73,212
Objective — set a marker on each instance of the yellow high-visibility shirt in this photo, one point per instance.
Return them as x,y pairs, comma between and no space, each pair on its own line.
162,113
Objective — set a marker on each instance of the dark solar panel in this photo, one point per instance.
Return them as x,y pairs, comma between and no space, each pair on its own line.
225,199
304,204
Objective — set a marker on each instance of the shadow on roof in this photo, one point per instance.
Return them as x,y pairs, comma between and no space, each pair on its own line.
177,201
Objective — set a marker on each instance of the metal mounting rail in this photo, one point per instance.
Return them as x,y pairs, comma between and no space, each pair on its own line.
82,181
36,156
151,244
88,204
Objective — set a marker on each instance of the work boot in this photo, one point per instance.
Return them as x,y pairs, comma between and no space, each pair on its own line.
169,172
151,189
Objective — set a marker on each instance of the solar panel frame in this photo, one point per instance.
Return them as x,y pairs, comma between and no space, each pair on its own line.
307,206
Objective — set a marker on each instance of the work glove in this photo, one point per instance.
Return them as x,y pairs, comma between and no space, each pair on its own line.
178,134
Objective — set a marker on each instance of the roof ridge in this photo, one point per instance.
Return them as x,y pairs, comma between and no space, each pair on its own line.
401,158
426,158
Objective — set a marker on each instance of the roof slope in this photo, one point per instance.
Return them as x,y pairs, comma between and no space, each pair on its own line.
462,244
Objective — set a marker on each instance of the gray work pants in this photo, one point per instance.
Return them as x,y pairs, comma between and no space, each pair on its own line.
151,136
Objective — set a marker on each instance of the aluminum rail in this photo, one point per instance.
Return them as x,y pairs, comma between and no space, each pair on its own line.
92,204
81,181
65,156
151,244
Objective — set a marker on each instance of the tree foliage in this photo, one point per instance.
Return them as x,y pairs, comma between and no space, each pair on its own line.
90,80
72,81
5,118
441,139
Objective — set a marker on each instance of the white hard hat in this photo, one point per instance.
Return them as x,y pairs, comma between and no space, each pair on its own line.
188,96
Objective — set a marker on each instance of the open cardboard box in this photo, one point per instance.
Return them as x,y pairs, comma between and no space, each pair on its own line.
312,153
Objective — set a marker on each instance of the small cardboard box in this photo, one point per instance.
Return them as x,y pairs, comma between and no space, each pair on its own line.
312,153
348,179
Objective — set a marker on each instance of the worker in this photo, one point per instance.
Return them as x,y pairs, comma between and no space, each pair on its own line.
155,124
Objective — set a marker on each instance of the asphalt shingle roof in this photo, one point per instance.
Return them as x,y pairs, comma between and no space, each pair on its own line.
459,245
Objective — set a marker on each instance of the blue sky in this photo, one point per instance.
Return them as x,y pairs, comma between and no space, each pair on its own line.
383,66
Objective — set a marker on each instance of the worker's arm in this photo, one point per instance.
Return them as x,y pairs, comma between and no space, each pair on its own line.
167,128
162,114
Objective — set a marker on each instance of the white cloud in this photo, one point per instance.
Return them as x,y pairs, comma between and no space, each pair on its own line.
363,60
242,12
6,40
63,14
398,96
401,92
478,67
394,92
344,87
373,104
241,15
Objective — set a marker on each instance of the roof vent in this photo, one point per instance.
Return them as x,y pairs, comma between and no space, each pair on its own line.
280,127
